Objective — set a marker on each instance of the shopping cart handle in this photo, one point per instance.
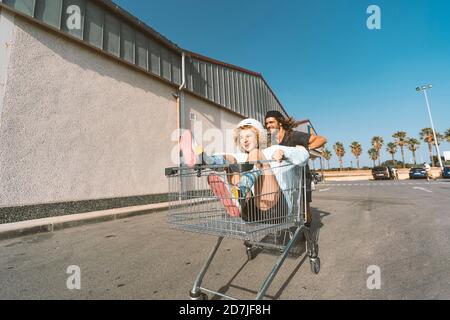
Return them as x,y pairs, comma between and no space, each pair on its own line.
170,171
240,167
197,168
232,168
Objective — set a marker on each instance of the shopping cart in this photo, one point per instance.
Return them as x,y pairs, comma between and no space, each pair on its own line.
274,207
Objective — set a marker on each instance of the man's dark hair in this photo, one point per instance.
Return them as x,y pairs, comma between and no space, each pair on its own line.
288,123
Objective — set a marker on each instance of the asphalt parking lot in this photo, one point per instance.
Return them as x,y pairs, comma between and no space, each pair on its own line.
402,227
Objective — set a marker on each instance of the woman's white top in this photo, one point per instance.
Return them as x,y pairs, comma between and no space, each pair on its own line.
287,172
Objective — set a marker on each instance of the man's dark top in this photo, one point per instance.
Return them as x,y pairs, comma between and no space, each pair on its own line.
297,138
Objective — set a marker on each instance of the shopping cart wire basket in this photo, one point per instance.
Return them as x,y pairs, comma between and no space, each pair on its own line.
205,199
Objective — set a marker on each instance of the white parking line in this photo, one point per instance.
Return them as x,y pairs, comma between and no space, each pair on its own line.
323,190
382,184
423,189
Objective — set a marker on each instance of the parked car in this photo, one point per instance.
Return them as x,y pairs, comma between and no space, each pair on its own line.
316,176
446,172
382,173
417,173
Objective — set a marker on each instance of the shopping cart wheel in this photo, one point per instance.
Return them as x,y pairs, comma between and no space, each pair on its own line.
198,296
249,250
315,265
250,253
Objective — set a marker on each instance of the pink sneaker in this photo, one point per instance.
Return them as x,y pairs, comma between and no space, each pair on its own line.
221,190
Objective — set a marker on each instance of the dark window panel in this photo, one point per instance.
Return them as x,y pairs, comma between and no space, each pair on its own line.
111,41
244,95
204,78
141,51
238,92
94,25
127,41
216,84
49,11
252,89
252,97
189,74
226,75
232,92
260,99
222,86
155,57
196,76
272,100
266,102
247,92
244,85
166,68
249,96
176,69
210,79
255,98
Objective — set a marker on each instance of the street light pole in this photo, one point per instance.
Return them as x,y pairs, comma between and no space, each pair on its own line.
424,89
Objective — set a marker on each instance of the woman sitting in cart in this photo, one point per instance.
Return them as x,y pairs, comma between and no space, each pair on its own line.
261,190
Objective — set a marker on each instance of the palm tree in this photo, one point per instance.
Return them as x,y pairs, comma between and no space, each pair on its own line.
400,137
326,154
426,134
356,150
440,137
392,149
447,135
340,152
373,154
413,145
377,143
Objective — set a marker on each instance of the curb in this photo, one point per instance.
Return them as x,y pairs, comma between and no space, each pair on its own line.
23,228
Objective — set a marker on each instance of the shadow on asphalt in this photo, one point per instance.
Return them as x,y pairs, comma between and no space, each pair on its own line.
298,249
226,287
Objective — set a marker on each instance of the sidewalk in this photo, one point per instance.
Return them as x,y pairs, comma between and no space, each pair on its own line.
18,229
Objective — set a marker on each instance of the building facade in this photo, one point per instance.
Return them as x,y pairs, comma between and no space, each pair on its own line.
90,98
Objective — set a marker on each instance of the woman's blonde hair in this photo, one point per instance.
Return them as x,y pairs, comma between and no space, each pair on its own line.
261,137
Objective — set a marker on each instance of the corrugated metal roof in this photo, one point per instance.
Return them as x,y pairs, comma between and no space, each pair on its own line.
237,89
132,19
138,23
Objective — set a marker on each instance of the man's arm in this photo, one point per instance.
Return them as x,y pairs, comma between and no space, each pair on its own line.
316,141
298,155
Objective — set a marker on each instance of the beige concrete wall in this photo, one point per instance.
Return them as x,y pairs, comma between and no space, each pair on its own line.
6,39
213,125
76,125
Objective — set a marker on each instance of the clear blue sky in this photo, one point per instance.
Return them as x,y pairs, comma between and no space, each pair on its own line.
323,62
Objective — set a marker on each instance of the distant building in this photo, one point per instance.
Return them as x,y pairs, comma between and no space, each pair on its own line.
447,155
307,127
